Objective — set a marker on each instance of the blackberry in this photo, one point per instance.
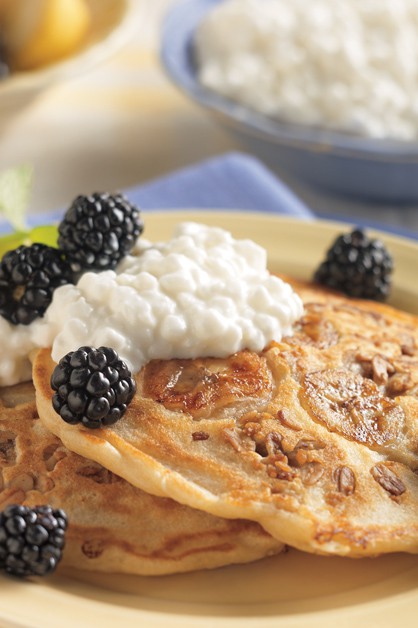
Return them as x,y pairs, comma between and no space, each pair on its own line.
97,231
358,266
92,387
31,539
28,277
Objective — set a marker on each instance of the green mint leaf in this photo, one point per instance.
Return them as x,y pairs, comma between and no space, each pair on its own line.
15,188
12,241
44,234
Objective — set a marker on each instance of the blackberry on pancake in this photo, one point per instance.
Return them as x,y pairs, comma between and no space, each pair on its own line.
28,277
92,387
97,231
357,265
31,539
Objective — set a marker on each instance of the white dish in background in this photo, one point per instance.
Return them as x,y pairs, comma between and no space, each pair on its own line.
340,163
291,590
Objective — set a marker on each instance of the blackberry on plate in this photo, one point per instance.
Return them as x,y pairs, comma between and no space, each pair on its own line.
357,265
28,277
97,231
92,387
31,539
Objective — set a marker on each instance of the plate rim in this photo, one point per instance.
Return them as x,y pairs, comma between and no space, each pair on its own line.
404,601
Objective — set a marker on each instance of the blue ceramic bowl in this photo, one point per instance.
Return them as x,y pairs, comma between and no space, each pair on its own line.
377,170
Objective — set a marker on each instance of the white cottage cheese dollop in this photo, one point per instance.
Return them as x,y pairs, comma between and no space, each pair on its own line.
350,65
202,293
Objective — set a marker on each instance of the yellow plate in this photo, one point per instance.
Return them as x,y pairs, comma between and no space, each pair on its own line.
293,590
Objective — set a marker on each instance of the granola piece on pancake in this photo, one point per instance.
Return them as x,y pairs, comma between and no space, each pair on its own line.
113,526
316,438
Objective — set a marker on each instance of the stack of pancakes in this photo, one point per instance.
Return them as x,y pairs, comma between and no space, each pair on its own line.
114,526
313,444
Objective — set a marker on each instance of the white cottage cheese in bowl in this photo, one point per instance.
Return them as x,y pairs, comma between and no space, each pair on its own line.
200,294
349,65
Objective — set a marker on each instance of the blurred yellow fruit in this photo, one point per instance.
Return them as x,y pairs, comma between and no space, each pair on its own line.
38,32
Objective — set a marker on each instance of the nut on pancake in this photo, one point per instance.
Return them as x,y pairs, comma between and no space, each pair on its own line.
113,526
316,438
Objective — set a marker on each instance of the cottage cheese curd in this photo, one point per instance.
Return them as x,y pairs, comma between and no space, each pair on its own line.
202,293
350,65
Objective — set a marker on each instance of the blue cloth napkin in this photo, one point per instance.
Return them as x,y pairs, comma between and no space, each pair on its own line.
234,181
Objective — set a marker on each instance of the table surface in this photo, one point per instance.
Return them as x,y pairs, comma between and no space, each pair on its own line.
124,123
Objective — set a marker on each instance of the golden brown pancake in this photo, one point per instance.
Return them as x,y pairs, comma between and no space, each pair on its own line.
316,438
113,526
